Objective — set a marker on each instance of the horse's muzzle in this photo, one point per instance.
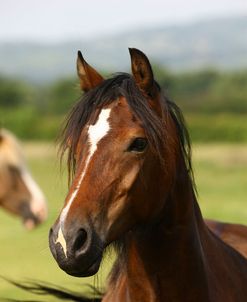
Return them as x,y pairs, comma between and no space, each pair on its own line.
77,252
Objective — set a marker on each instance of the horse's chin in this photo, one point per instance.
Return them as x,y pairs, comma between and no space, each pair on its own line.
30,223
90,270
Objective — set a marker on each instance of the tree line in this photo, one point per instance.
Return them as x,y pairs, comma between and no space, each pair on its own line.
214,103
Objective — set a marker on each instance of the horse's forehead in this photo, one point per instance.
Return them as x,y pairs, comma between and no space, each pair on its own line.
122,115
118,114
10,153
116,118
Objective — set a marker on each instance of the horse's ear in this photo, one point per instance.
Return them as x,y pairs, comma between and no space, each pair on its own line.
142,70
89,77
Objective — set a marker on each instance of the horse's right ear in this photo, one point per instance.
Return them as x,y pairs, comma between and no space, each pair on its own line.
142,71
89,77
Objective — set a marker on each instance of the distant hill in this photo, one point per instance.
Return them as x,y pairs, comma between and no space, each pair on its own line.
218,43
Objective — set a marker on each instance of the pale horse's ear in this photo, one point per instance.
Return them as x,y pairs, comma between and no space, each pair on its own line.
88,76
142,71
1,137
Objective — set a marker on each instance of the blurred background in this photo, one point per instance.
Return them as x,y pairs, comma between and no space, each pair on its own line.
199,54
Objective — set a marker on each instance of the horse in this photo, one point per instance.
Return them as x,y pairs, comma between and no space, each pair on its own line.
132,186
233,234
19,193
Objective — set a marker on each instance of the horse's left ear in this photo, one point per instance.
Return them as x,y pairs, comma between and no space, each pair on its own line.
142,71
89,77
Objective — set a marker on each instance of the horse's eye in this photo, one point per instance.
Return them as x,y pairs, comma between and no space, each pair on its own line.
139,144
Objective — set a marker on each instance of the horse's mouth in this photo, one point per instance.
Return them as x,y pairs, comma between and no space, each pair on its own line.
29,218
31,223
91,270
88,271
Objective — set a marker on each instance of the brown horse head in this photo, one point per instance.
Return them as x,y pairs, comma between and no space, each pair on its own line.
123,149
19,193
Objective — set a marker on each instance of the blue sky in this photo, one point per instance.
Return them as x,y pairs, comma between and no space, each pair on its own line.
56,20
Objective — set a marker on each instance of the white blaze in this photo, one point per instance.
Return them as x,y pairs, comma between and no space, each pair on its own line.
62,241
95,133
38,202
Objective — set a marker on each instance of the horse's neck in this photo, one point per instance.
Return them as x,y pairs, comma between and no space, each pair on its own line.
164,262
3,182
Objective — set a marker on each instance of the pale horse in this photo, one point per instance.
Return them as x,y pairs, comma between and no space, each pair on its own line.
19,193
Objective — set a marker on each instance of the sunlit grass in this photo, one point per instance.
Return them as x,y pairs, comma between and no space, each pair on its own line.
221,177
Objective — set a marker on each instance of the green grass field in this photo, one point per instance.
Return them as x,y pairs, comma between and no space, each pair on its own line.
221,177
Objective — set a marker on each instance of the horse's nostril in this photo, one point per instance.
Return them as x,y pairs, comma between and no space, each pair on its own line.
80,240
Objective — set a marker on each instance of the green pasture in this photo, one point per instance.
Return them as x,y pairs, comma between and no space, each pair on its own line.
221,177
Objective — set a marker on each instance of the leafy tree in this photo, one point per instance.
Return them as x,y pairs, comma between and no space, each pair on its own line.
62,95
14,93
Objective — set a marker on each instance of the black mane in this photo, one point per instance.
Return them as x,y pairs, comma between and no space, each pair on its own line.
123,84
